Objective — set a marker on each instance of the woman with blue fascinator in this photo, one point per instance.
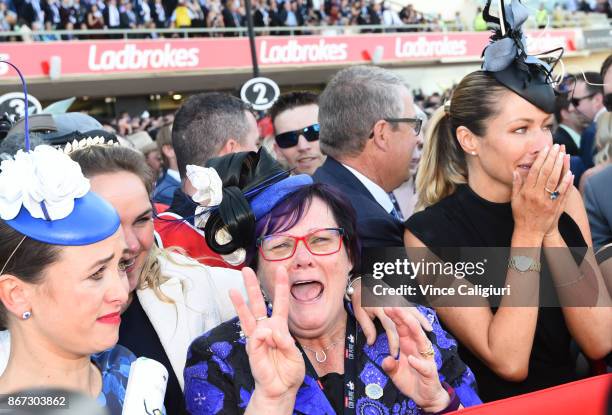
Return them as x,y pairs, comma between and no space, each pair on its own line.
62,280
491,177
297,346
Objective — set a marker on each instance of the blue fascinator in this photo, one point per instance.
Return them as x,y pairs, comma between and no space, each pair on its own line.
507,60
44,196
265,201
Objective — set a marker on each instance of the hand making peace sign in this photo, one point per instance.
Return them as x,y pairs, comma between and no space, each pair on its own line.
276,363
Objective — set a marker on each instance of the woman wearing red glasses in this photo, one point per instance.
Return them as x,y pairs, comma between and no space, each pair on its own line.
297,347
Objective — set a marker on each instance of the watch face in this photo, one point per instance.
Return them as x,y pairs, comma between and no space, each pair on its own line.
522,263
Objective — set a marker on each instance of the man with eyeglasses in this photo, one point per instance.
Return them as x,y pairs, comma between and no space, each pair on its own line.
296,127
368,132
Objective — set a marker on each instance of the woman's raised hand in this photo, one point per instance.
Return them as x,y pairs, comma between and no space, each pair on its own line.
415,372
539,200
365,317
276,363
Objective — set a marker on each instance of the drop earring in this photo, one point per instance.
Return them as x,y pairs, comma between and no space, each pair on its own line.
26,315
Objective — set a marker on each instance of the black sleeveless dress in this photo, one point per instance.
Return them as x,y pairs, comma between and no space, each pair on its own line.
464,219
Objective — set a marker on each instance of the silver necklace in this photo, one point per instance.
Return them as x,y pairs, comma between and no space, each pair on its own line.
321,356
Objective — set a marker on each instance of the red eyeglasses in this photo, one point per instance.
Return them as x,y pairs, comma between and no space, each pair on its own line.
278,247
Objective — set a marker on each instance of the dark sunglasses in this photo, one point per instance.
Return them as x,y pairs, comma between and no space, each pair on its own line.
576,101
291,138
608,102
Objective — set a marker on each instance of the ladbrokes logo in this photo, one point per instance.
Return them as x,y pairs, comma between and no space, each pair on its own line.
426,48
293,52
132,58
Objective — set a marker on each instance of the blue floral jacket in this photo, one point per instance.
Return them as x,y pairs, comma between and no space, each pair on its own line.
218,379
114,364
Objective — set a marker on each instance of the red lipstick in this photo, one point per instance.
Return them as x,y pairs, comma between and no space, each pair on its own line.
113,318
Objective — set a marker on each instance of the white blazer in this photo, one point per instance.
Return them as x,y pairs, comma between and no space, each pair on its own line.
201,303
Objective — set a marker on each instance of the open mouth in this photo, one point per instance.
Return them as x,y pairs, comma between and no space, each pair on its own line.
524,166
307,291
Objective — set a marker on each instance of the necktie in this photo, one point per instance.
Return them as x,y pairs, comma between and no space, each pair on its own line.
396,211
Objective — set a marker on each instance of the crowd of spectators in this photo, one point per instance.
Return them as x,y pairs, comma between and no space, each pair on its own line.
34,15
27,16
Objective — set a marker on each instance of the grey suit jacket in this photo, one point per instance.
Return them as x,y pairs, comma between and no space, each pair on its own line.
598,203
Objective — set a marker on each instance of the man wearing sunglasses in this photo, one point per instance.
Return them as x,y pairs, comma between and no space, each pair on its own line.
296,127
588,101
570,125
597,187
369,131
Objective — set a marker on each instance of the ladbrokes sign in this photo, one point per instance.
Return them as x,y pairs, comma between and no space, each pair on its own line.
202,54
133,58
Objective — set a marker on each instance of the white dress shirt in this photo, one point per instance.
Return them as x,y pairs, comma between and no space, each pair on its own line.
375,190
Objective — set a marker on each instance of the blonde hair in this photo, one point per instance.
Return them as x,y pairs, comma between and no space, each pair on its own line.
151,275
603,138
443,165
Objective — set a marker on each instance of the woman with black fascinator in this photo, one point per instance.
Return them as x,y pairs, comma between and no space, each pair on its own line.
491,177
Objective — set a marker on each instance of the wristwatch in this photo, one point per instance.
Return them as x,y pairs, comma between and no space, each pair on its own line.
523,264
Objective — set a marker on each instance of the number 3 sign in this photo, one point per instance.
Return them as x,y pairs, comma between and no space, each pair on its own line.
260,93
15,106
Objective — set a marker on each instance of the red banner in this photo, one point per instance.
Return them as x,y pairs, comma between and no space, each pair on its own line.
202,54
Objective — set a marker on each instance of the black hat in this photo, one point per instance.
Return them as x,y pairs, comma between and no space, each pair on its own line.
507,60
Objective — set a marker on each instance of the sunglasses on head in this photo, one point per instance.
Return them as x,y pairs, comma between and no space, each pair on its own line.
291,138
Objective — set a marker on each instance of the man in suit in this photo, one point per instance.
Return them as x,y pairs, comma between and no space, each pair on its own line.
171,179
368,131
261,17
231,17
112,16
598,205
569,126
588,101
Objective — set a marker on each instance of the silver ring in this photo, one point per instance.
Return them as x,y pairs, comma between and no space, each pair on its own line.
553,194
261,318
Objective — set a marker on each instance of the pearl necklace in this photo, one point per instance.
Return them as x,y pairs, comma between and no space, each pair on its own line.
321,356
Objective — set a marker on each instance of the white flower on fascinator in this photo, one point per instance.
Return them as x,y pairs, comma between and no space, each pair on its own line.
43,175
208,184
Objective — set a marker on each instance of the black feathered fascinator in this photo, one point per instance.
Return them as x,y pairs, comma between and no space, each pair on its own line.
507,59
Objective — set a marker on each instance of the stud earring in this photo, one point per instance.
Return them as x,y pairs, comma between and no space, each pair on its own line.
473,153
26,315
